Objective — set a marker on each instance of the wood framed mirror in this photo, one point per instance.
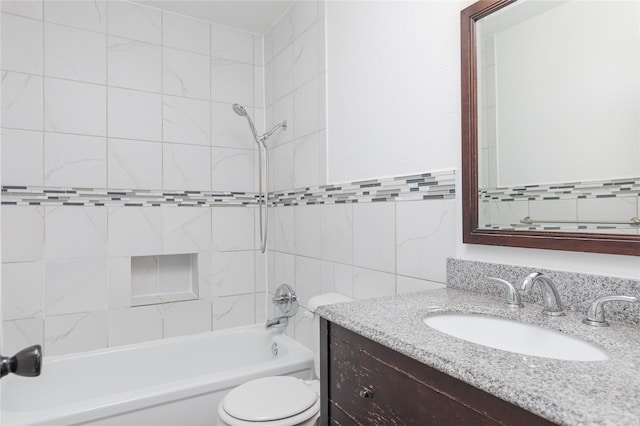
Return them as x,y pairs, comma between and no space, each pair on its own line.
525,195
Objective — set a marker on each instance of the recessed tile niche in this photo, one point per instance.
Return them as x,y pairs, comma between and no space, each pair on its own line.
163,279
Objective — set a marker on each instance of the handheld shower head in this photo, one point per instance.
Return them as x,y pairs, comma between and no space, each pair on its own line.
239,109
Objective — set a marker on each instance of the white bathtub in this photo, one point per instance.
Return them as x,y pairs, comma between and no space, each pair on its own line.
177,381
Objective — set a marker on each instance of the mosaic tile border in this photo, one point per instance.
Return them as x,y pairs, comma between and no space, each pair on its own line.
425,186
565,191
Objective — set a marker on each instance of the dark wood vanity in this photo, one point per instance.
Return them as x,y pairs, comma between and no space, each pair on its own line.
366,383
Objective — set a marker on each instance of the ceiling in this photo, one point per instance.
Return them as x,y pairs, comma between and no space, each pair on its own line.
255,16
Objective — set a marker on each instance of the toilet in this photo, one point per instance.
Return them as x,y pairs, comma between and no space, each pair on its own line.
279,400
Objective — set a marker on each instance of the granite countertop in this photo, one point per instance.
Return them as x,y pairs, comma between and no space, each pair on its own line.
565,392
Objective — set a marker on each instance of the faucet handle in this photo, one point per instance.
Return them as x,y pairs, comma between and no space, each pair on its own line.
513,297
595,313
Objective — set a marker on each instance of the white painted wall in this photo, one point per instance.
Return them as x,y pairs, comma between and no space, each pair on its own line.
392,87
393,73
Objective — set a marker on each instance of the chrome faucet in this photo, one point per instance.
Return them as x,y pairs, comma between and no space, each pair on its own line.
287,301
550,296
595,313
513,297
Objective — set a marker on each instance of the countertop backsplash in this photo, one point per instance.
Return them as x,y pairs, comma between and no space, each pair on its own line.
577,290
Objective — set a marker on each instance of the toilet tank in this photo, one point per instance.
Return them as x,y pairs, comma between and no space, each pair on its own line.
314,303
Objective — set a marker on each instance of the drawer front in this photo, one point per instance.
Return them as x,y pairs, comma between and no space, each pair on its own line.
373,392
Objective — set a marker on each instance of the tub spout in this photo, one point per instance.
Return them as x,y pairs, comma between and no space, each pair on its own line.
26,363
276,323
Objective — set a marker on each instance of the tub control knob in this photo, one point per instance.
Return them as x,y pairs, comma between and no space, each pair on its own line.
26,363
366,393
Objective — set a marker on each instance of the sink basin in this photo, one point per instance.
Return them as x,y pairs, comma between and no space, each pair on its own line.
514,336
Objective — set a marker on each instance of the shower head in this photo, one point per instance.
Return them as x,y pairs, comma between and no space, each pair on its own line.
239,109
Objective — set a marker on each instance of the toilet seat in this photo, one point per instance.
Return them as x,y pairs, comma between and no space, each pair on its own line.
276,401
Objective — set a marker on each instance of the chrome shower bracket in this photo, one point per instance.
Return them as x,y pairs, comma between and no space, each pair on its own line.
287,301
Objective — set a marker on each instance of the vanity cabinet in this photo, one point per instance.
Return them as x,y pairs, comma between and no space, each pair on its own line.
365,383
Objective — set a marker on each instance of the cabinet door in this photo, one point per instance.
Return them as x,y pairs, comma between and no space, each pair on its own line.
374,385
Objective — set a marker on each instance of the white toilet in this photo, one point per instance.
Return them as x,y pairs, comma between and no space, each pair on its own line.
279,400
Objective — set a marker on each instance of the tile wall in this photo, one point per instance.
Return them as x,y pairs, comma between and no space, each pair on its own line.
121,97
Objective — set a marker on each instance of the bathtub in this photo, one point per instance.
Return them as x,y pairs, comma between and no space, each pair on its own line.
176,381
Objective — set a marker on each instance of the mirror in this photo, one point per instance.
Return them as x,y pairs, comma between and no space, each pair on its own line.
551,124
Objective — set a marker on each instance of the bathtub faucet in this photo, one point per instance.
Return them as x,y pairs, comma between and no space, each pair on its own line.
277,323
26,363
287,301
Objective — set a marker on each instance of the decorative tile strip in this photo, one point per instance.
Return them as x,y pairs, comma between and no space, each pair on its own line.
565,191
426,186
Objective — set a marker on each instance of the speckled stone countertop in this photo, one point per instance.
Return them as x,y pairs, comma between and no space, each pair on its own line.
565,392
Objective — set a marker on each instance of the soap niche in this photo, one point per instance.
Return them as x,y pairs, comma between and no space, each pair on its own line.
164,278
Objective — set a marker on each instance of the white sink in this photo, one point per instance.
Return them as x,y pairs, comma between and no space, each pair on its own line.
514,336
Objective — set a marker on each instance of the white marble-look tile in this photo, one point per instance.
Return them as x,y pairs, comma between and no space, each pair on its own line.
22,233
22,290
233,311
280,36
88,15
337,278
65,334
282,270
233,44
232,273
308,282
322,101
545,210
27,8
134,231
134,164
21,101
74,107
186,230
322,37
258,50
175,277
258,86
281,231
144,275
186,74
231,82
261,278
135,115
619,209
306,109
307,231
75,286
336,233
279,76
185,318
134,64
303,15
75,232
304,331
228,129
134,325
74,54
18,334
186,121
305,57
186,167
135,22
368,283
309,162
374,236
509,212
261,300
181,32
22,157
424,238
232,170
76,161
21,42
119,282
282,167
411,285
203,270
233,228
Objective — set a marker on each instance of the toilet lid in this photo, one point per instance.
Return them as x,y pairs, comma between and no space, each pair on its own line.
269,398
